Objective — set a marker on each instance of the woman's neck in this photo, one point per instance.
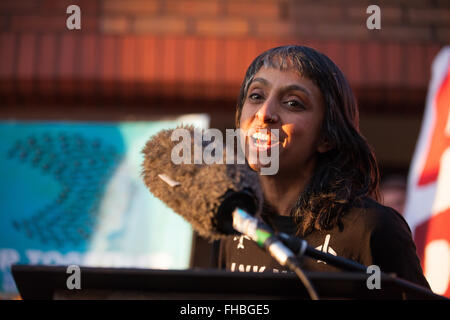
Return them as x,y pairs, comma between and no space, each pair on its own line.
282,193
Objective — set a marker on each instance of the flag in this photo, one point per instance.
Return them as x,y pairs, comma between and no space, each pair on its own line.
427,207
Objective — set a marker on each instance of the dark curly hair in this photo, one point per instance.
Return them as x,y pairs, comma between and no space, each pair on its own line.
346,173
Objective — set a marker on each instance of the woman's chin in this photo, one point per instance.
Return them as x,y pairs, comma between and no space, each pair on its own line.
255,166
259,166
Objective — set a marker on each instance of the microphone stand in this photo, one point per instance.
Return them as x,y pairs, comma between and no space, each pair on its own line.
301,248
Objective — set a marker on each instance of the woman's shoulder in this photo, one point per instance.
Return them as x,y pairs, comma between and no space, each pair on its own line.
389,243
374,216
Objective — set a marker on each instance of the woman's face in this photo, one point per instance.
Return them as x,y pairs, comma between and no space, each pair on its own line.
294,105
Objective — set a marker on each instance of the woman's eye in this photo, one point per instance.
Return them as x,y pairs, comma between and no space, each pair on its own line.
255,96
294,103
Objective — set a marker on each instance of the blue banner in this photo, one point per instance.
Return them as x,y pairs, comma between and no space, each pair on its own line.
72,193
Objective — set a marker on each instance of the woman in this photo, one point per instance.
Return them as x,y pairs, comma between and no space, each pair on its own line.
327,173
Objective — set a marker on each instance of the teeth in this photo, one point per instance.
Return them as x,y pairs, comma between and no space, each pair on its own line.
260,136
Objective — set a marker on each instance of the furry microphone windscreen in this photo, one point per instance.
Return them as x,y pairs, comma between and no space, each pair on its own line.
195,191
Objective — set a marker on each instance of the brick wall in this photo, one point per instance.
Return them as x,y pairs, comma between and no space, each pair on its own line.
402,20
199,49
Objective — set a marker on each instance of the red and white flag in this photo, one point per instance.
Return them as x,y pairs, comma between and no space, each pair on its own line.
427,207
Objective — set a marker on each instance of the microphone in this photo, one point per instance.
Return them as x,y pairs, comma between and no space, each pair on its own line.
205,195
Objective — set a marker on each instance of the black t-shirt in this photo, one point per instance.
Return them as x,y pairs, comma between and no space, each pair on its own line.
372,234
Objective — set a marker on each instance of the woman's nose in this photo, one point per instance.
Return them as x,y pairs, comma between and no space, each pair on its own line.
268,112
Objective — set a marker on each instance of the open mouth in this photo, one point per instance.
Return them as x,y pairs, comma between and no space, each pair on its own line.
263,139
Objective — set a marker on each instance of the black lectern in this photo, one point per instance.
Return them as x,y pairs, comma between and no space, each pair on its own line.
50,282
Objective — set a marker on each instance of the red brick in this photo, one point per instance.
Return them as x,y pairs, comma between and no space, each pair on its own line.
394,59
193,66
145,48
46,66
7,54
127,59
333,50
169,58
308,12
67,55
244,52
249,53
374,64
50,23
332,31
66,66
47,56
312,43
159,25
251,50
114,24
127,65
416,74
4,23
266,44
210,55
7,62
214,69
137,7
221,27
442,3
200,66
429,15
353,64
87,7
88,24
193,7
26,56
431,52
159,56
21,7
231,59
26,64
108,64
443,35
259,10
406,33
191,57
262,45
238,56
88,55
39,23
271,29
234,66
165,65
405,3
